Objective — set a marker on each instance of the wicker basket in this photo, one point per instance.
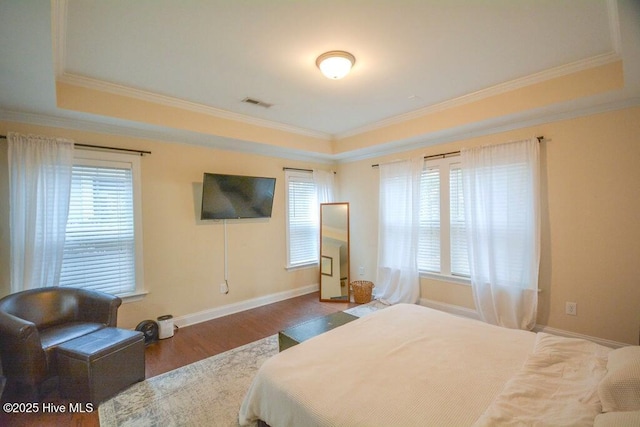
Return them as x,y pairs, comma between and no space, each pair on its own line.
361,291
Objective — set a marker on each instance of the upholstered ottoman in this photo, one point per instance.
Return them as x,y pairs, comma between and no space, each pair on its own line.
94,367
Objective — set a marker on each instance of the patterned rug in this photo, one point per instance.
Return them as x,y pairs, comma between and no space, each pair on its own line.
364,309
205,393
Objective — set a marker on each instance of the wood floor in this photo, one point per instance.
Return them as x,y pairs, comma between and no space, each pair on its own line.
189,345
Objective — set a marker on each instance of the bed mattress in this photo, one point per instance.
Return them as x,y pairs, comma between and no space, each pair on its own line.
405,365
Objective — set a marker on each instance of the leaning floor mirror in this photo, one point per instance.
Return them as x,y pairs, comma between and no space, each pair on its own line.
334,252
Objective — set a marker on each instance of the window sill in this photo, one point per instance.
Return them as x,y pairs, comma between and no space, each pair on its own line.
465,281
446,278
133,297
302,266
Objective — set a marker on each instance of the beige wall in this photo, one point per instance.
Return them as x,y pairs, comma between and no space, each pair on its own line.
590,228
183,256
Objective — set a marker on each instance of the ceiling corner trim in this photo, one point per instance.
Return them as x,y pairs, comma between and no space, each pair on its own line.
59,35
614,25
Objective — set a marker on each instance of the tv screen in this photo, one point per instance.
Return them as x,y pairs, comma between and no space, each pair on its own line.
236,196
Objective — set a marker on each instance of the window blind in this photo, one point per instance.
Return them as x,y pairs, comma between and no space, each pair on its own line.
302,217
509,230
99,252
457,229
442,244
429,237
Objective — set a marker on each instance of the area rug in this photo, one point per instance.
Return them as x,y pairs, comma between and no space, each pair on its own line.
204,393
364,309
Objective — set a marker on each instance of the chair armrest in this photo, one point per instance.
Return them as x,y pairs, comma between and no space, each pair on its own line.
98,307
21,349
15,327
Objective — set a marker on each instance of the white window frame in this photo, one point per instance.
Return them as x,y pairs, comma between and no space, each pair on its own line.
132,162
301,176
444,166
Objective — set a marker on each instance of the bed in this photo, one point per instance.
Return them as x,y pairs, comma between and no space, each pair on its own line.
409,365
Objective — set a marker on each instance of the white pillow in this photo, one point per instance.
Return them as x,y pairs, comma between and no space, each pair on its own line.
619,390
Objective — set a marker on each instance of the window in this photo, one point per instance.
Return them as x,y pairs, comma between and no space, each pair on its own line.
103,241
459,265
510,223
442,243
302,213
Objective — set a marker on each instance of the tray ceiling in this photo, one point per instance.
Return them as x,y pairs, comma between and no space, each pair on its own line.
412,57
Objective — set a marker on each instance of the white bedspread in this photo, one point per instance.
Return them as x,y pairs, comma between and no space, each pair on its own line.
556,387
406,365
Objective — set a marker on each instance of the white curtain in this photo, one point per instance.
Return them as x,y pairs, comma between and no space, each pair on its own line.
324,185
325,193
398,279
39,190
501,186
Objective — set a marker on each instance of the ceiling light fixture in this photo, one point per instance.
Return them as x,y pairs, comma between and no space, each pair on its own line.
335,64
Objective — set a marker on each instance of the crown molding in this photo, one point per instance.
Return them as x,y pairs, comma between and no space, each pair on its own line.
59,28
584,64
499,89
170,135
116,89
79,121
59,35
614,26
59,31
490,127
112,88
154,133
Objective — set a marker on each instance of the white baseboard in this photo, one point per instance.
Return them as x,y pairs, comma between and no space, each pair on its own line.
225,310
467,312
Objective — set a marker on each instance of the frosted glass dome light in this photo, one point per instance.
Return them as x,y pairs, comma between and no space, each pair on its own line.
335,64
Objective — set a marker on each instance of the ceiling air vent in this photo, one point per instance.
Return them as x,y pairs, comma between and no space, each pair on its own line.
256,102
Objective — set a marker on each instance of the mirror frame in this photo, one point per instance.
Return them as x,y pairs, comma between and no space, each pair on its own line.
323,268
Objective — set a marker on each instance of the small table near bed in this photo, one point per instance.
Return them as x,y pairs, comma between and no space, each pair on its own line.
304,331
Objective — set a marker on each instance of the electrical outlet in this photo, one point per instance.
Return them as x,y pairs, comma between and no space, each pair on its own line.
361,270
571,308
224,288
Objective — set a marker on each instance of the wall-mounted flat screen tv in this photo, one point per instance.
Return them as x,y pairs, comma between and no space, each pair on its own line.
236,196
